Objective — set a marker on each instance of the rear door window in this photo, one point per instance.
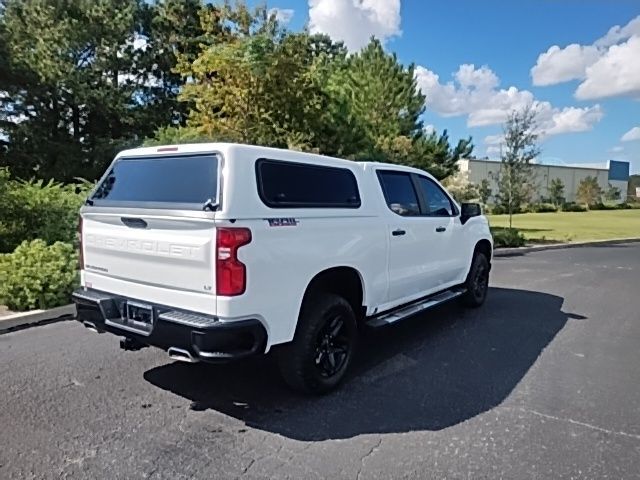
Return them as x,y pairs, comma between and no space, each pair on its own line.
300,185
186,181
399,193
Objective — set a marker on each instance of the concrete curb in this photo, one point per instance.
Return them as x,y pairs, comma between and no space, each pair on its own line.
17,321
510,252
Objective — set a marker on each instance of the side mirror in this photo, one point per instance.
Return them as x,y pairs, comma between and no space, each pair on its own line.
468,210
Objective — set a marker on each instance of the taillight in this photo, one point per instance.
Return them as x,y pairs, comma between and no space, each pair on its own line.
231,273
81,253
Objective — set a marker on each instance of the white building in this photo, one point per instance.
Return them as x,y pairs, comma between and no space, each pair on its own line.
616,174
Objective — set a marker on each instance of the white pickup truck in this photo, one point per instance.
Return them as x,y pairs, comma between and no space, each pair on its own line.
214,252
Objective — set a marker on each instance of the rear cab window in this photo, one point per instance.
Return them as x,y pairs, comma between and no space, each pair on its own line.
182,181
284,184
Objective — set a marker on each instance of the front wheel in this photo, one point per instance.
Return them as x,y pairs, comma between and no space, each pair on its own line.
477,283
317,359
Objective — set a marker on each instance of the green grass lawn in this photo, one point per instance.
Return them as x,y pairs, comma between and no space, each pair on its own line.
573,226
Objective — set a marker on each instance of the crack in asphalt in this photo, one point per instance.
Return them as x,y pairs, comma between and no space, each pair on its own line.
371,451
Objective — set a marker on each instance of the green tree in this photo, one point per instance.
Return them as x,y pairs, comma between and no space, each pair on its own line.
589,191
386,99
176,31
612,193
257,83
484,191
95,81
515,177
435,154
388,104
461,188
556,192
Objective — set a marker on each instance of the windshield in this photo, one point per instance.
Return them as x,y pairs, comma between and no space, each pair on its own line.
187,180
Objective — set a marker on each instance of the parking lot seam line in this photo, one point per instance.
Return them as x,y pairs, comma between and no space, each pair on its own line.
582,424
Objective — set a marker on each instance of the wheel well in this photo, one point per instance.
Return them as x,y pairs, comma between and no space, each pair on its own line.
484,247
343,281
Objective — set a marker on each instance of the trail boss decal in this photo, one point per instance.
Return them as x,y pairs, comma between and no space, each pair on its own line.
282,222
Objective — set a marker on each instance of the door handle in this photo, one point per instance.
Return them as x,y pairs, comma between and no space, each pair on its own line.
441,229
397,233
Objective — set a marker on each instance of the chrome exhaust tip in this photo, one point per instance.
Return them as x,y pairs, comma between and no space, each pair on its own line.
92,326
181,355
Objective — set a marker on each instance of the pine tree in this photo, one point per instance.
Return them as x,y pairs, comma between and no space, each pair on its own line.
90,85
386,101
385,98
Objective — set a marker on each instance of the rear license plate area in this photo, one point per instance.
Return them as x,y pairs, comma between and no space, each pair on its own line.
136,317
138,313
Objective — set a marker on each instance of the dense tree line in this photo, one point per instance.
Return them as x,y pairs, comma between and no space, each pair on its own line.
82,79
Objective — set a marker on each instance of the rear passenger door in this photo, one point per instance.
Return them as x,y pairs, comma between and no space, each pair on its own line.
415,248
443,217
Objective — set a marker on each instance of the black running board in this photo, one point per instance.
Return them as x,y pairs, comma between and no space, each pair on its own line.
413,308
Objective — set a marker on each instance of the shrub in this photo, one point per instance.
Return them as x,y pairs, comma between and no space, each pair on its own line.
602,206
627,206
543,208
36,209
502,210
573,207
507,237
37,275
498,210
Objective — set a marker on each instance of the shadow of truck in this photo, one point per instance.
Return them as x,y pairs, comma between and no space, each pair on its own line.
427,373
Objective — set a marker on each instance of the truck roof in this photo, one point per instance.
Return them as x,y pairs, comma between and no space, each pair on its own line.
269,152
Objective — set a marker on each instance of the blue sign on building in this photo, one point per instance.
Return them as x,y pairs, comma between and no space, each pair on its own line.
618,170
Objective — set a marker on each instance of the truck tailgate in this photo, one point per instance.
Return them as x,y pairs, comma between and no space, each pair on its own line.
158,251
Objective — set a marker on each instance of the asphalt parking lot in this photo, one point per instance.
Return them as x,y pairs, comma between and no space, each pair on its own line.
542,382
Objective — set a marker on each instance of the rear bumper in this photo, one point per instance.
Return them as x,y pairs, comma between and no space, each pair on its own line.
206,338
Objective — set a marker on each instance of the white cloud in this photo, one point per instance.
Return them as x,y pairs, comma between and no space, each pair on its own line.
136,42
558,65
616,149
618,34
483,78
355,21
569,119
429,129
475,92
140,42
607,68
283,15
16,119
494,139
616,73
631,135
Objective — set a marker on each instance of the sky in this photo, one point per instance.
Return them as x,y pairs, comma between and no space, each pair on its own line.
577,62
